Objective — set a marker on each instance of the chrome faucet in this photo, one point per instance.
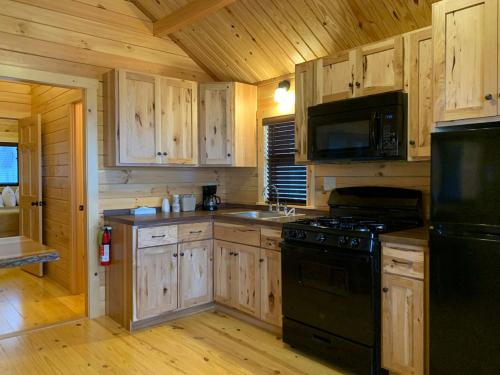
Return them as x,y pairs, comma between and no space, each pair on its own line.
277,198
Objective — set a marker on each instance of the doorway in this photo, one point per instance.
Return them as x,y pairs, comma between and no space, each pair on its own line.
51,193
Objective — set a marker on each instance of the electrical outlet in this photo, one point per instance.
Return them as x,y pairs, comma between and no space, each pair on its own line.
329,183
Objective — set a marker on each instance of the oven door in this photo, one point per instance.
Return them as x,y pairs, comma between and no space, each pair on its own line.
331,290
345,136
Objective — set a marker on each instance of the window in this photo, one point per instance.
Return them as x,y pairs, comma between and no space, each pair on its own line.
280,170
8,164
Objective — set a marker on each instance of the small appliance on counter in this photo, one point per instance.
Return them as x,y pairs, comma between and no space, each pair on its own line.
188,202
210,200
331,274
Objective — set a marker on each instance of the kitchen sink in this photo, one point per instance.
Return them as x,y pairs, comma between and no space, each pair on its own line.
263,215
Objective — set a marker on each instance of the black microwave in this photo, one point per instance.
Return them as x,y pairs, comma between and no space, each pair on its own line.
361,129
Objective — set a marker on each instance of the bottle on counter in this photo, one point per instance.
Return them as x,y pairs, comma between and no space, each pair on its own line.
165,205
176,205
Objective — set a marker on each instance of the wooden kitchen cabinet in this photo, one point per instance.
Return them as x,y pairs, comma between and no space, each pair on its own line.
223,272
237,276
403,309
156,287
418,72
270,287
150,120
379,67
195,273
246,279
228,124
336,77
465,63
307,94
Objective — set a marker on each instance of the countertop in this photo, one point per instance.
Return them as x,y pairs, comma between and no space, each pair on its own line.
21,251
219,215
415,237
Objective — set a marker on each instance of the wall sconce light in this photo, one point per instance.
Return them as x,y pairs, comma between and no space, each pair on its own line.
284,97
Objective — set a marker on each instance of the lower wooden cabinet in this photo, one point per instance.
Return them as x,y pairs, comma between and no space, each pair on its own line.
195,273
403,319
237,276
156,284
248,279
270,287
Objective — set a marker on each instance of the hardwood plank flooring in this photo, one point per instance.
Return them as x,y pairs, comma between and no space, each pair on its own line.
204,344
28,302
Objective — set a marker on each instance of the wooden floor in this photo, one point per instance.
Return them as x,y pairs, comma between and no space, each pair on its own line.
205,344
28,302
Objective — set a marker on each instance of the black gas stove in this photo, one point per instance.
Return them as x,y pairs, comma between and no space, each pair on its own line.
331,274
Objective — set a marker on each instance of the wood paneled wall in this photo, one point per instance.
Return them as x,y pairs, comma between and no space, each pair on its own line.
87,38
55,104
9,130
15,100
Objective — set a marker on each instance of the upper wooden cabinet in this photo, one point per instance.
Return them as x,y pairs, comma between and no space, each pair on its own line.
228,124
418,84
306,95
337,76
465,34
150,120
379,67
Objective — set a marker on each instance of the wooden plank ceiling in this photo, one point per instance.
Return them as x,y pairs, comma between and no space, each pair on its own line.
255,40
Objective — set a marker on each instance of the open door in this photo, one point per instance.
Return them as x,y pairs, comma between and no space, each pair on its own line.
30,183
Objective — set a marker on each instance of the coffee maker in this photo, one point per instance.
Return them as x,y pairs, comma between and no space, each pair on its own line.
210,200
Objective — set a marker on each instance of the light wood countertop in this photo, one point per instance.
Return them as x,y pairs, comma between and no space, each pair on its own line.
20,251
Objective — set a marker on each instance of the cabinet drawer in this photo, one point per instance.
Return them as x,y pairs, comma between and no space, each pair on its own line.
244,234
270,238
195,232
403,262
156,236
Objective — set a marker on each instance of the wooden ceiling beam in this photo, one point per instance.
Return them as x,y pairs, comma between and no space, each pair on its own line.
187,15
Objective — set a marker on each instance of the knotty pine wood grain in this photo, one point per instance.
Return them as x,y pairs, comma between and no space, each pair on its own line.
54,104
87,38
15,103
205,344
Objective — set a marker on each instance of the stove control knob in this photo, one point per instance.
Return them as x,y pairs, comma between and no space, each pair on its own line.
321,237
291,233
355,242
301,235
343,240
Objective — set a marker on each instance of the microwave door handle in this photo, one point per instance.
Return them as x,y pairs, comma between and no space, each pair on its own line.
375,123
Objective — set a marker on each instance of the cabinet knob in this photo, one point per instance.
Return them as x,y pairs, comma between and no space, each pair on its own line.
261,260
231,253
165,290
158,153
165,154
182,254
350,85
235,254
175,255
488,97
228,155
385,290
358,84
412,143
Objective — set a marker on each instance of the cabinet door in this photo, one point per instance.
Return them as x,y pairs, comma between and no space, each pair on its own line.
465,59
156,283
139,127
270,287
380,67
223,278
337,76
419,67
246,271
195,273
179,121
402,325
216,123
306,95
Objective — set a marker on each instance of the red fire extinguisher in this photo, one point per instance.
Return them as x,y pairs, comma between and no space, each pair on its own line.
105,246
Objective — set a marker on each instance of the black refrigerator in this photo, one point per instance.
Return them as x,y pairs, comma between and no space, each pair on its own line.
465,251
